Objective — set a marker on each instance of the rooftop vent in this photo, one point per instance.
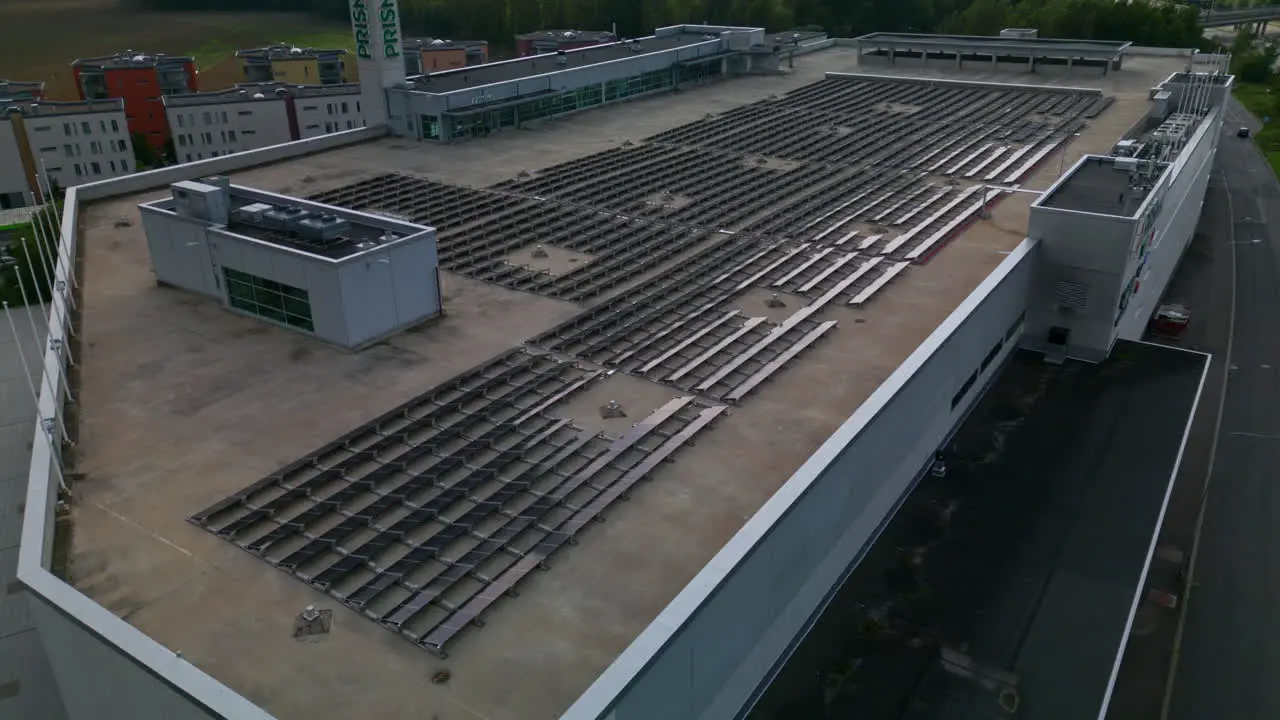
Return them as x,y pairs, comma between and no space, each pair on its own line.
437,41
258,96
295,51
322,228
569,34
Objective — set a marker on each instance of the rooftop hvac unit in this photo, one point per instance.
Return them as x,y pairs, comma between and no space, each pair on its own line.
1127,148
285,218
322,228
220,181
252,214
1127,164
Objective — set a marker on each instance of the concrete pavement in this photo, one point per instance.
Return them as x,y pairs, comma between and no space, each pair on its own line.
1229,656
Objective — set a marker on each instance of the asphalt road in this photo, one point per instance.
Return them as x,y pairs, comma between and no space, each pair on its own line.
1230,656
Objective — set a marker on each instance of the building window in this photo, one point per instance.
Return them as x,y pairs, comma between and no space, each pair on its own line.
103,124
245,112
115,126
224,115
269,299
188,157
328,127
309,107
66,128
97,169
84,126
357,106
207,119
250,132
113,166
348,124
51,148
231,135
77,169
180,123
182,141
329,107
44,128
69,150
123,146
964,390
124,166
344,107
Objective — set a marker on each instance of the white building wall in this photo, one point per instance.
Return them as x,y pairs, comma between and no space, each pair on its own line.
325,114
317,276
203,131
1176,224
13,177
721,638
78,148
27,687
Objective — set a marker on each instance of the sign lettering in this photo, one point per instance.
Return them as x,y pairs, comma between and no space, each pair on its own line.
360,24
389,16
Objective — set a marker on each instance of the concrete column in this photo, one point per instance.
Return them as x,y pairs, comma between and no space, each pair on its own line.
994,60
1031,63
924,57
959,60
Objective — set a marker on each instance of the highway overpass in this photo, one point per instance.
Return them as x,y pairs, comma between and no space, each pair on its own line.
1245,16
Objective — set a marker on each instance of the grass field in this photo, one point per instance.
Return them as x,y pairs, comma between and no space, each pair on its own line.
1261,103
48,34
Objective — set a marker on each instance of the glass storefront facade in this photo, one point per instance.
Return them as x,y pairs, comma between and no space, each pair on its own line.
269,299
481,122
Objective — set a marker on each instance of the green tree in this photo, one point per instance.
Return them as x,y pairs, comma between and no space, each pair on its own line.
27,262
144,155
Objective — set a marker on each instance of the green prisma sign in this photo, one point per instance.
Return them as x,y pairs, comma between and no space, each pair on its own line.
389,19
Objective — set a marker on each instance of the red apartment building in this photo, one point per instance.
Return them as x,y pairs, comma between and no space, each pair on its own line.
543,42
140,81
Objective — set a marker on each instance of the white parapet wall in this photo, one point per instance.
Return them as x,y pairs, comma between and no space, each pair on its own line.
710,652
105,668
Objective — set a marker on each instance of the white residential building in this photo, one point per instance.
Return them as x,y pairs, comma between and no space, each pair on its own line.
70,142
249,116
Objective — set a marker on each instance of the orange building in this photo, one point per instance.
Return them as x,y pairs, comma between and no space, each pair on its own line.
428,55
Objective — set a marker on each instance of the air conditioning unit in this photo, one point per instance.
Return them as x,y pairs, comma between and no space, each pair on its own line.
252,214
322,228
1127,164
285,218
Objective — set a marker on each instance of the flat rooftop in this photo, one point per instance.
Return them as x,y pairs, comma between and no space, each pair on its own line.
568,35
52,108
1048,46
1101,187
357,238
644,294
1030,583
442,44
250,92
129,59
477,75
288,52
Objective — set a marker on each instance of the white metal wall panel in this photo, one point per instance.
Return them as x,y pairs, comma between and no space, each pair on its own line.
13,179
368,298
28,690
709,650
98,683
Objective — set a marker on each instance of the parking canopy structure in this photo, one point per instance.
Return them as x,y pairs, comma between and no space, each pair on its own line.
994,49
